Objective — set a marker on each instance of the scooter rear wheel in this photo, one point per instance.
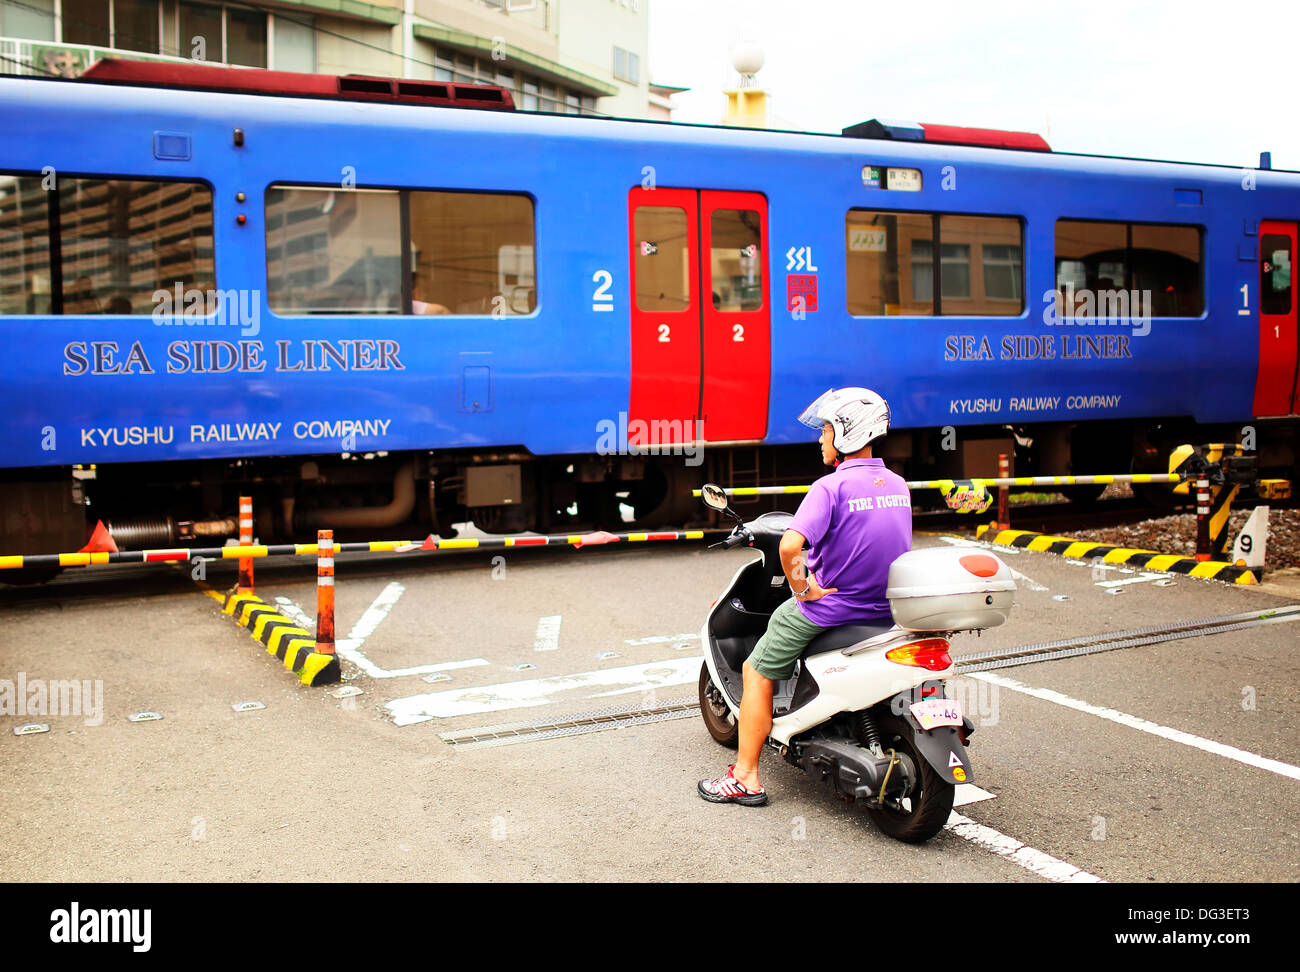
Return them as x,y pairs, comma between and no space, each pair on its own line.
717,717
925,810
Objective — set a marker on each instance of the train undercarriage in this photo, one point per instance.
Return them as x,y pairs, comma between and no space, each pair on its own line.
411,495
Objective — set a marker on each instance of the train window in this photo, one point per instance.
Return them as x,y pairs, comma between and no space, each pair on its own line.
954,272
1161,263
24,246
1166,262
994,244
333,251
1275,274
879,271
737,267
472,253
340,251
662,259
123,240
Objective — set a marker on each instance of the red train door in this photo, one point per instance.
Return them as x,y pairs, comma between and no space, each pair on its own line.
737,342
700,333
1275,382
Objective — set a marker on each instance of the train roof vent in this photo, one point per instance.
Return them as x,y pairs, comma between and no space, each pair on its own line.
352,87
947,135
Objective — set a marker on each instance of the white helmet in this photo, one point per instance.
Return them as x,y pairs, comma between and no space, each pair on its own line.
857,415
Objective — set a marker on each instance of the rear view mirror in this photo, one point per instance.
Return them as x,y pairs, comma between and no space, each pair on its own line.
715,497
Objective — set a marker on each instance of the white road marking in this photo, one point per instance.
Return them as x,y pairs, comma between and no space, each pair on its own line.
1032,584
662,639
964,793
548,633
982,544
1044,865
1133,722
350,647
1142,578
541,691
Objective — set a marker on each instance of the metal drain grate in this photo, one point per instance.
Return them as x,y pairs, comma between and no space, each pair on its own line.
597,720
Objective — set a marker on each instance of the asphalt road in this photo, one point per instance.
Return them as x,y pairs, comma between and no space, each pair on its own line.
318,788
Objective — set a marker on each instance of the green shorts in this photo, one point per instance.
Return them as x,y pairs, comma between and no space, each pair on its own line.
788,634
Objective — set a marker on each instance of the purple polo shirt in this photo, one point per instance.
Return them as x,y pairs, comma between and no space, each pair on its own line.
856,520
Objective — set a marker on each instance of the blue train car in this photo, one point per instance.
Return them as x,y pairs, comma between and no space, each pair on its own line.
381,314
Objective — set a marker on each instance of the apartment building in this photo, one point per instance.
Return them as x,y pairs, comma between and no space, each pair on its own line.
576,56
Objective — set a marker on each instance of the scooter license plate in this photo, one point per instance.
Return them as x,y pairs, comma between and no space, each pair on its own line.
933,713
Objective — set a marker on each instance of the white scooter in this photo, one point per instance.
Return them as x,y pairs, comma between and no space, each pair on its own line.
865,707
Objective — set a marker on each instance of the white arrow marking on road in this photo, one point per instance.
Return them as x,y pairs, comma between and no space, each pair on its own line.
350,647
541,691
548,633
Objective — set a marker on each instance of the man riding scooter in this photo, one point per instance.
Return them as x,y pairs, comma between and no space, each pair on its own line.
856,521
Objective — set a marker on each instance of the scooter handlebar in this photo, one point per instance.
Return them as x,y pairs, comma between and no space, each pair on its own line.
735,540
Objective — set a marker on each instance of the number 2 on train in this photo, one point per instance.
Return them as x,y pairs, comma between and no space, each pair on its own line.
602,299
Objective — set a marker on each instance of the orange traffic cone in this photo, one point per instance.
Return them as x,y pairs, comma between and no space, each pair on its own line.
101,541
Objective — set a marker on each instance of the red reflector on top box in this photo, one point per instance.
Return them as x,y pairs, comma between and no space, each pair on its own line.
981,565
352,87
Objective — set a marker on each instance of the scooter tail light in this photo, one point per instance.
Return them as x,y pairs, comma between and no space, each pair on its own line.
928,653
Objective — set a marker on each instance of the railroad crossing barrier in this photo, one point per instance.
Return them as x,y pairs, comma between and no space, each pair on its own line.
1218,470
948,484
430,544
312,659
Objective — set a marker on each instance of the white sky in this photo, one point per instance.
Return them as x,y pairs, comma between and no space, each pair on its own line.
1189,81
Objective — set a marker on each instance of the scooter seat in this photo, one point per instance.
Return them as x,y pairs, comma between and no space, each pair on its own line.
843,637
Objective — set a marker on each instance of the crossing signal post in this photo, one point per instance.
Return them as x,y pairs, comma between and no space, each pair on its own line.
1219,470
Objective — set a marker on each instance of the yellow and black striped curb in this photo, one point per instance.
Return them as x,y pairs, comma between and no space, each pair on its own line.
283,638
1107,553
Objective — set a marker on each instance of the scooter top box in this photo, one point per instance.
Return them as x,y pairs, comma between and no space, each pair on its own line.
949,589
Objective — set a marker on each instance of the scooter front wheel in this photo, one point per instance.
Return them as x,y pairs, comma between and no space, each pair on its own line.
922,813
717,716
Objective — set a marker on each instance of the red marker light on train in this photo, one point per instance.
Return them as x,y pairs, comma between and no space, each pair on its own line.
241,219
